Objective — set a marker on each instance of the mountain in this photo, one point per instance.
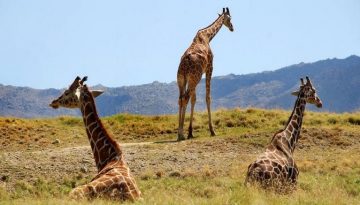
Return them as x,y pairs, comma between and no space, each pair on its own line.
337,82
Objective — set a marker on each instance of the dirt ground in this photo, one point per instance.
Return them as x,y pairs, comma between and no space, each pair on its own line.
166,158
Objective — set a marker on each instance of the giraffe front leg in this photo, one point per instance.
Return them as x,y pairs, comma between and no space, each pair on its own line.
208,100
121,188
82,192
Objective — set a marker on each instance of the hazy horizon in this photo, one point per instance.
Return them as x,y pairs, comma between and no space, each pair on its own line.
46,44
102,84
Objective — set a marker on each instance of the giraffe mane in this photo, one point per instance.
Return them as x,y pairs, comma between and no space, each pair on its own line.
212,22
277,132
289,119
111,138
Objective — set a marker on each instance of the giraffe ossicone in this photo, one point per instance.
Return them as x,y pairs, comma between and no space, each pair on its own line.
196,60
113,179
276,168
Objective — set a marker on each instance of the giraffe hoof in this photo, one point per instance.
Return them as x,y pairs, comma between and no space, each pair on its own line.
190,136
213,133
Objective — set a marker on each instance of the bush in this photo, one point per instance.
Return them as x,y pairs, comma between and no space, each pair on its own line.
71,121
332,121
354,121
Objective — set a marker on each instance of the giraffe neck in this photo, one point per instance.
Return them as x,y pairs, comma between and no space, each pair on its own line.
293,127
208,33
104,147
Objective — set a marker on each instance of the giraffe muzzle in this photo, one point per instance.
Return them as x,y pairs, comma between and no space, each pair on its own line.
54,105
319,104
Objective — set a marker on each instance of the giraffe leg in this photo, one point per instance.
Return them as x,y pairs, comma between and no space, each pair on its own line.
180,128
82,192
181,85
208,101
114,187
193,100
184,103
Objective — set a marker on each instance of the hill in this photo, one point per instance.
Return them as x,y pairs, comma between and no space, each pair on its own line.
337,82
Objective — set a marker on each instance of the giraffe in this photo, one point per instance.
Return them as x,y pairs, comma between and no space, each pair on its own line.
196,60
276,168
113,179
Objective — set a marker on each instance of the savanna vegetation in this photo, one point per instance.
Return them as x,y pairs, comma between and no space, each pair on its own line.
43,159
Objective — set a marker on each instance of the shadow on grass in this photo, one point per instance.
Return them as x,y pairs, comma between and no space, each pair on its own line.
166,141
172,141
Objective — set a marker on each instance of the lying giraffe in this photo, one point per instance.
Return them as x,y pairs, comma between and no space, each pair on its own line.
276,167
113,179
196,60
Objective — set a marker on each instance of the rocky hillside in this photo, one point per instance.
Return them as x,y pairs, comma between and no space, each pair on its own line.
337,82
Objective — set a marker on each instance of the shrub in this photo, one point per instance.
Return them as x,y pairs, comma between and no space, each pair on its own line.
332,121
229,123
354,121
120,118
71,121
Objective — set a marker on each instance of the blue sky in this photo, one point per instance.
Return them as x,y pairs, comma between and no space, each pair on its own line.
46,44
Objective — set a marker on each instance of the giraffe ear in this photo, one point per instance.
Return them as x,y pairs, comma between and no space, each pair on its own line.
96,93
83,80
75,84
296,93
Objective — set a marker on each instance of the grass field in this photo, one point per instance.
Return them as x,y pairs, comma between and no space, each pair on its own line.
43,159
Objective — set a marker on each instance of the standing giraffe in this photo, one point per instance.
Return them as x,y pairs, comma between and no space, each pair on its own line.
196,60
276,167
113,179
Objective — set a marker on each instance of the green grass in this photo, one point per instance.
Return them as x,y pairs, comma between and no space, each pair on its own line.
327,157
34,134
314,188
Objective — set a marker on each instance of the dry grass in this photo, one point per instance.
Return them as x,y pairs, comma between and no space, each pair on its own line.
206,170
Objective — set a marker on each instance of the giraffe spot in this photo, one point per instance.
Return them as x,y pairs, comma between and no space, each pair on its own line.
290,128
296,126
267,175
295,117
276,170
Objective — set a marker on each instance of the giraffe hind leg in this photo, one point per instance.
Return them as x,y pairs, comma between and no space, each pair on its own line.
182,106
182,95
184,103
193,100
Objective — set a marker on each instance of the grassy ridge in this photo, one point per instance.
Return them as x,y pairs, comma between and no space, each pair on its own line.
35,134
327,156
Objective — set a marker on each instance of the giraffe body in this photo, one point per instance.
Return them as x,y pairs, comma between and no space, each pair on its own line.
114,179
197,60
276,168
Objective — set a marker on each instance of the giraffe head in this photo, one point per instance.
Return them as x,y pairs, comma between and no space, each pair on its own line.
308,91
71,97
227,19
